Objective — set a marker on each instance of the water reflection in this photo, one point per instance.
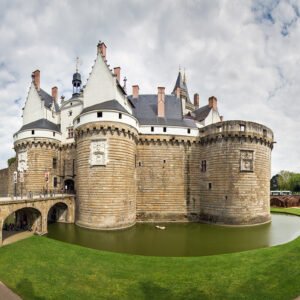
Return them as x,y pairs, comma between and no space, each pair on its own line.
181,239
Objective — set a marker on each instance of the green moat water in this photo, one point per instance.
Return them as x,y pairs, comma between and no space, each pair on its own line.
181,239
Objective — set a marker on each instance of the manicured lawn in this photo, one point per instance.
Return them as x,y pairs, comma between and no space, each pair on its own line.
41,268
293,211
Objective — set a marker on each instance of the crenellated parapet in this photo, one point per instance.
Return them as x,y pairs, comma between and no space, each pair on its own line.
104,128
34,142
237,130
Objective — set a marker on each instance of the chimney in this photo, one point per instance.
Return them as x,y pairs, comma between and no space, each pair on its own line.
221,118
55,93
212,102
117,72
135,91
101,48
161,102
36,79
196,100
177,92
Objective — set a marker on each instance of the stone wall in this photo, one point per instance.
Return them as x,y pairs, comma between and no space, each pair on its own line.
4,182
68,164
106,182
235,188
164,179
40,155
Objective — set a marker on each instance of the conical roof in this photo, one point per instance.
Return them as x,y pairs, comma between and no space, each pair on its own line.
183,87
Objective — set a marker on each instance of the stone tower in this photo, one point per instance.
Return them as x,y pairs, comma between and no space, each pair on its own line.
106,134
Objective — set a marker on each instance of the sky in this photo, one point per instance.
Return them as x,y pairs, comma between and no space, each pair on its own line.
245,53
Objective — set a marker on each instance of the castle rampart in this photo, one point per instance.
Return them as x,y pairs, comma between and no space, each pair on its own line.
235,185
106,181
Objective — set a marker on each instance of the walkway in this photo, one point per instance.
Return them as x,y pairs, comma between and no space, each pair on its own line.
7,294
13,236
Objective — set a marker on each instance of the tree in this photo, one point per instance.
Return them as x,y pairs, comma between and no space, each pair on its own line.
283,180
294,183
274,183
11,161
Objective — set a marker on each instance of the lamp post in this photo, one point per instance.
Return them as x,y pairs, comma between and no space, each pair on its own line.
15,182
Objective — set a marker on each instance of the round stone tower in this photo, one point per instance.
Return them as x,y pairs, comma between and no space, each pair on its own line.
38,160
106,162
235,173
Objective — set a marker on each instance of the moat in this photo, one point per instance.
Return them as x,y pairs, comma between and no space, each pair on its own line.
181,239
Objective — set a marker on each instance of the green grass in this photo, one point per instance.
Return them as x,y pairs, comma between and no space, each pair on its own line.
42,268
293,211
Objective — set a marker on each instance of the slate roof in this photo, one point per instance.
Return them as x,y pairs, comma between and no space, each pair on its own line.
201,113
108,105
180,83
48,100
41,124
145,110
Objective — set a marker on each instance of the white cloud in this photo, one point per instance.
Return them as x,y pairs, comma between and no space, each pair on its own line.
243,52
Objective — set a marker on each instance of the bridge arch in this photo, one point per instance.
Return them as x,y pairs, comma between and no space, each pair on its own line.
21,219
58,212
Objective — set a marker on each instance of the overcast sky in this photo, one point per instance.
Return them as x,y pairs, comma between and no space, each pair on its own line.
246,53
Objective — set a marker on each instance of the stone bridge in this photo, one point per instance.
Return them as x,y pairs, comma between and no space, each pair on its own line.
36,212
285,200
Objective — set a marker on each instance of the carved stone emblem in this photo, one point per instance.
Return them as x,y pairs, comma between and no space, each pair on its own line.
22,161
98,154
246,161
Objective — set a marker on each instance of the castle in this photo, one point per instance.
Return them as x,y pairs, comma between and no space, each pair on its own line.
142,157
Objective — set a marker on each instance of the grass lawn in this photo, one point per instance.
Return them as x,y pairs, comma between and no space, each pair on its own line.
42,268
293,211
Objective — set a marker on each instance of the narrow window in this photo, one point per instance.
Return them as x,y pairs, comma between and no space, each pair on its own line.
70,113
209,185
152,129
54,163
165,129
189,131
71,103
78,120
165,161
55,182
203,166
140,164
242,127
264,132
32,131
70,132
99,114
135,160
120,116
53,133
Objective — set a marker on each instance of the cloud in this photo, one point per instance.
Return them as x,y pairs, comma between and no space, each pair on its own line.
243,52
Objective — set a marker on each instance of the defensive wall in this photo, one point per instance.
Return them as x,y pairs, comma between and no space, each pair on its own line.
222,176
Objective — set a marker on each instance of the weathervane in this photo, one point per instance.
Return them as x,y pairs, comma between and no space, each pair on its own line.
78,62
124,86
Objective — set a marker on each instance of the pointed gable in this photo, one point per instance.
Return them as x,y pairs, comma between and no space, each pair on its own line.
34,107
102,86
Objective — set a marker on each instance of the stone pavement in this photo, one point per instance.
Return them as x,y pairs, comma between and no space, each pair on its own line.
7,294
